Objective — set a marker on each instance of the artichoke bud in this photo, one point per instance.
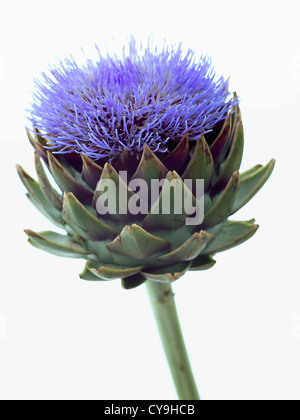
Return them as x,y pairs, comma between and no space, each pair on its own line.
136,239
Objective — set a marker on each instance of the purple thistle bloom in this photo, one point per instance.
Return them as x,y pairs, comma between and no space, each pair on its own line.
150,98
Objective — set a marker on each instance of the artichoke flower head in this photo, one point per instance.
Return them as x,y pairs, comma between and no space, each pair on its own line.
149,115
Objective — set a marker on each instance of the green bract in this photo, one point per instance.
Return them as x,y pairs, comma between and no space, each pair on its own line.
155,246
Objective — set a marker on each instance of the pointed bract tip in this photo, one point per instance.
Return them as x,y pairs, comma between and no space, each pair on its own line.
21,172
68,195
107,167
173,175
30,233
147,153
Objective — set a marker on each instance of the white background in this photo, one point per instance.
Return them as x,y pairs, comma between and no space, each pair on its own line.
63,338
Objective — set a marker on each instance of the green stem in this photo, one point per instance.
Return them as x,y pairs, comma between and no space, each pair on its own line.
163,305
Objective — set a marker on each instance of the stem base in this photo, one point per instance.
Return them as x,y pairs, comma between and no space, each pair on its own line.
163,305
